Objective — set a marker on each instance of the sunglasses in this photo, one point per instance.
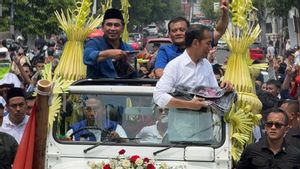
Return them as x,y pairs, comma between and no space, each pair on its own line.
19,54
277,125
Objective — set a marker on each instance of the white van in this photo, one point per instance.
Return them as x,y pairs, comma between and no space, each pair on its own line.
152,29
126,106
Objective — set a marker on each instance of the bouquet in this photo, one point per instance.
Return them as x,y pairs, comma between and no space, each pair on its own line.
127,162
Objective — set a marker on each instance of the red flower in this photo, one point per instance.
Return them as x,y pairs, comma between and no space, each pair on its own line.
121,152
150,166
146,160
106,166
133,158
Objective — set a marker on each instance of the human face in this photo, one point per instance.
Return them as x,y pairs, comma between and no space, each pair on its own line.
30,104
162,115
93,107
264,87
204,46
273,90
113,28
17,108
27,71
177,32
39,66
273,132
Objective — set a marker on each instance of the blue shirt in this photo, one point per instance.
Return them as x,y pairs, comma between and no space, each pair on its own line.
105,68
165,54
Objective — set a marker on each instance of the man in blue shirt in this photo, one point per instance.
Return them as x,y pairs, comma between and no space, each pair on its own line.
107,56
177,28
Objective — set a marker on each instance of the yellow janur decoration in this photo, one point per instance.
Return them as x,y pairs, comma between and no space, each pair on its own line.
241,72
59,86
77,25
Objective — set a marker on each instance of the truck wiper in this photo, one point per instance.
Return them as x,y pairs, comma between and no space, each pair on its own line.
185,143
112,139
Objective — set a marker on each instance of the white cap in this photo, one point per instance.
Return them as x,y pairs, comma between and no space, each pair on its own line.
3,50
10,78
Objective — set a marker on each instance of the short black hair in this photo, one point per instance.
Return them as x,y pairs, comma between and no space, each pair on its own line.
274,82
267,100
277,111
178,19
195,32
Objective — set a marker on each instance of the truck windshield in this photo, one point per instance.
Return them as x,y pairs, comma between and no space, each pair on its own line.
134,119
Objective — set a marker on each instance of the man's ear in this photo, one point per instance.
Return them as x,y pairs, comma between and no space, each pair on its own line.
195,43
293,115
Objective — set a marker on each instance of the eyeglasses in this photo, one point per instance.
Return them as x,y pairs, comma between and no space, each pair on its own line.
20,54
277,125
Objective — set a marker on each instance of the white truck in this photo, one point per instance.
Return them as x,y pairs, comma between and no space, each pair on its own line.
194,140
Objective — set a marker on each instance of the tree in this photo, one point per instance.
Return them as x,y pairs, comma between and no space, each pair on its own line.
261,5
143,12
207,6
35,17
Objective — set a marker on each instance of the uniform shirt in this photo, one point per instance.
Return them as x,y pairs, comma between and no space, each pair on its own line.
10,128
8,150
105,68
182,71
259,156
293,137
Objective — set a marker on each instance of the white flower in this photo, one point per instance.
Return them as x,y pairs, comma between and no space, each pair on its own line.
92,164
139,162
163,165
119,167
139,167
100,164
126,163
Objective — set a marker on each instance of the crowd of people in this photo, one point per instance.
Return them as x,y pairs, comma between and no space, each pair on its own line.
188,61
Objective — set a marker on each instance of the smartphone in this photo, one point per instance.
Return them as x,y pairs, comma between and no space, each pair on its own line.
132,52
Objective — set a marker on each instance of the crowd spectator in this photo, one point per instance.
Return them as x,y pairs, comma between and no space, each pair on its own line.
273,151
15,122
8,150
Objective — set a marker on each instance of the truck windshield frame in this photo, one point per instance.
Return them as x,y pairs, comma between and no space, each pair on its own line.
137,121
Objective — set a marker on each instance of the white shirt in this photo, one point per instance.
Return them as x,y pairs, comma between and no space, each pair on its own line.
182,71
271,51
15,131
150,134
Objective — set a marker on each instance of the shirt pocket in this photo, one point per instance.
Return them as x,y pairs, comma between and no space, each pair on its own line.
259,163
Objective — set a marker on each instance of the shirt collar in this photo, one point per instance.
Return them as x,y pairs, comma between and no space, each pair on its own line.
7,122
177,48
187,59
265,145
107,42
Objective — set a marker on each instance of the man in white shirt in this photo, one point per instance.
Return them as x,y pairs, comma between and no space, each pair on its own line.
191,69
271,50
15,122
156,132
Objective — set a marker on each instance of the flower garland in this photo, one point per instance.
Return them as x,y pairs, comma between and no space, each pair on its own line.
127,162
